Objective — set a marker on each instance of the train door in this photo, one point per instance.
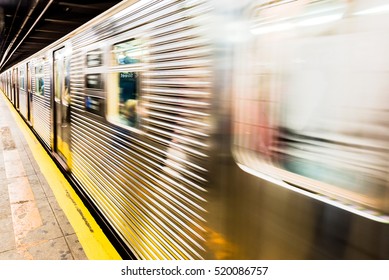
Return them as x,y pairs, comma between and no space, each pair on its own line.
62,106
11,92
12,85
16,87
8,86
29,94
11,80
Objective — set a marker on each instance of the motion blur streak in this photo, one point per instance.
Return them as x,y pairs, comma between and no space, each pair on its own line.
250,129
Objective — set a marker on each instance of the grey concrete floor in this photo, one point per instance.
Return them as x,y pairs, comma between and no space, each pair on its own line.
32,224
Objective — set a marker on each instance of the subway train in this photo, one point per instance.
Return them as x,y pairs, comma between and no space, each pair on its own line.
196,129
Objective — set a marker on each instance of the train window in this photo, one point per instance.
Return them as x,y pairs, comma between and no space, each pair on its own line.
94,58
123,109
94,81
311,105
22,81
128,52
123,84
39,80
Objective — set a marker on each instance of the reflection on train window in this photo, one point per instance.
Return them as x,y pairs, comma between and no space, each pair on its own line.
94,58
128,52
123,84
310,109
94,81
39,80
122,108
21,77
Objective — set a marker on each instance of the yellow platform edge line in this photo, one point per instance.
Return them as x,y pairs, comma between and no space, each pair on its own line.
94,242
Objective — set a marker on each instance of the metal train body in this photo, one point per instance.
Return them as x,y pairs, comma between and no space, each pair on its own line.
192,126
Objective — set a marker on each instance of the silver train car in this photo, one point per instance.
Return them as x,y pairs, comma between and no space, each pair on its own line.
250,129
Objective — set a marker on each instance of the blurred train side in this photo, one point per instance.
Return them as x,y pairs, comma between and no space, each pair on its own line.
240,147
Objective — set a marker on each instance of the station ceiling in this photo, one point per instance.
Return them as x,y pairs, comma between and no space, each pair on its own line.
28,26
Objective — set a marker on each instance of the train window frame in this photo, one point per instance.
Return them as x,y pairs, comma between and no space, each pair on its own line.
39,76
94,69
94,53
99,81
22,79
124,113
95,79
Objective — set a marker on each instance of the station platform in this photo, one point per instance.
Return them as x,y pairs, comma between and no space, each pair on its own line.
41,217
